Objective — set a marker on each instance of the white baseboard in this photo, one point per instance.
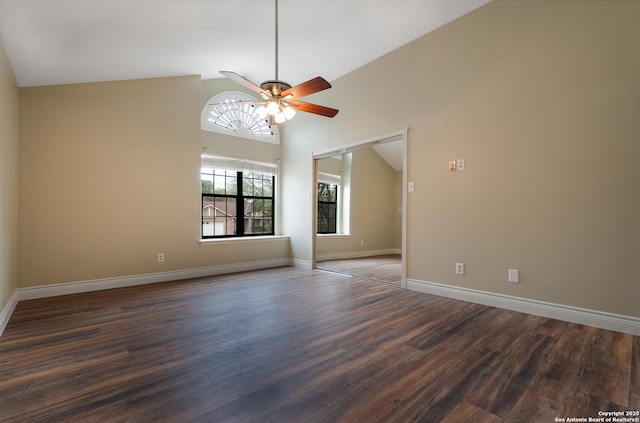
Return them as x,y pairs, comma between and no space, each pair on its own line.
7,310
599,319
357,254
300,264
124,281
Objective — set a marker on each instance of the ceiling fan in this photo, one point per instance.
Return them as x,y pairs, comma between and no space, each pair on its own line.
279,99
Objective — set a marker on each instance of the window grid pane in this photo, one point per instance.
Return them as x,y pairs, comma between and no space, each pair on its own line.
257,185
218,216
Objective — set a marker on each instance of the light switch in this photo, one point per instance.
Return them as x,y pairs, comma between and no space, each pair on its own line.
411,187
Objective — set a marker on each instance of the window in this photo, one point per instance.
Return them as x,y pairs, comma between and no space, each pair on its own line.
238,197
234,113
328,203
327,208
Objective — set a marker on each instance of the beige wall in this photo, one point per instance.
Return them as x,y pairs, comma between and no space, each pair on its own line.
300,135
542,100
109,177
8,180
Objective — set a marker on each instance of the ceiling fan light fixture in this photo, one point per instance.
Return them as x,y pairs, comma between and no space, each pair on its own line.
288,112
273,108
280,118
277,94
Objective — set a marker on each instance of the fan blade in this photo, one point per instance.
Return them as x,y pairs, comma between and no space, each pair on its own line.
307,88
242,81
313,108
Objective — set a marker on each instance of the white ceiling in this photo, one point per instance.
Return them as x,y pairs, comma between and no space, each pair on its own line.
71,41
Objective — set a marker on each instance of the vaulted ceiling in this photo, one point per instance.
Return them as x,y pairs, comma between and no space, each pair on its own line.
70,41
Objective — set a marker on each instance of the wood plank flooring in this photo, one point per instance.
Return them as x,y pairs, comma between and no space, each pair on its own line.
289,345
385,268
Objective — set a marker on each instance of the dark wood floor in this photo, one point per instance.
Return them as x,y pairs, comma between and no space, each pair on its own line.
288,345
384,268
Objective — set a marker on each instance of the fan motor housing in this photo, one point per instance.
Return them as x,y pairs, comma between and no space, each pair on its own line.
275,86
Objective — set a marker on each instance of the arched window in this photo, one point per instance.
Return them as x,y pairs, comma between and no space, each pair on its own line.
231,113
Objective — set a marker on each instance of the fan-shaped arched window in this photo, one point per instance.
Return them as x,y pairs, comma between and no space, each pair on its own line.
231,113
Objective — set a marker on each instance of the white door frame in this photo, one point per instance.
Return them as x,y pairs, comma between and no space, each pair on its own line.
400,135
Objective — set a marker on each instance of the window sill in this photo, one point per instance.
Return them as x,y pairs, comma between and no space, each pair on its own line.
334,235
246,239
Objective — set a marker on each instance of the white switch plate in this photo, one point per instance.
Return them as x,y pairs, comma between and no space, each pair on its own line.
514,276
460,164
459,268
411,186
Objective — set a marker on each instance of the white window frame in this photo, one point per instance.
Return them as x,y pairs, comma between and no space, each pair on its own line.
211,161
333,179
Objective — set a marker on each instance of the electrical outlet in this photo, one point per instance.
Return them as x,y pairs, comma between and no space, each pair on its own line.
460,164
362,242
514,276
459,268
160,257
